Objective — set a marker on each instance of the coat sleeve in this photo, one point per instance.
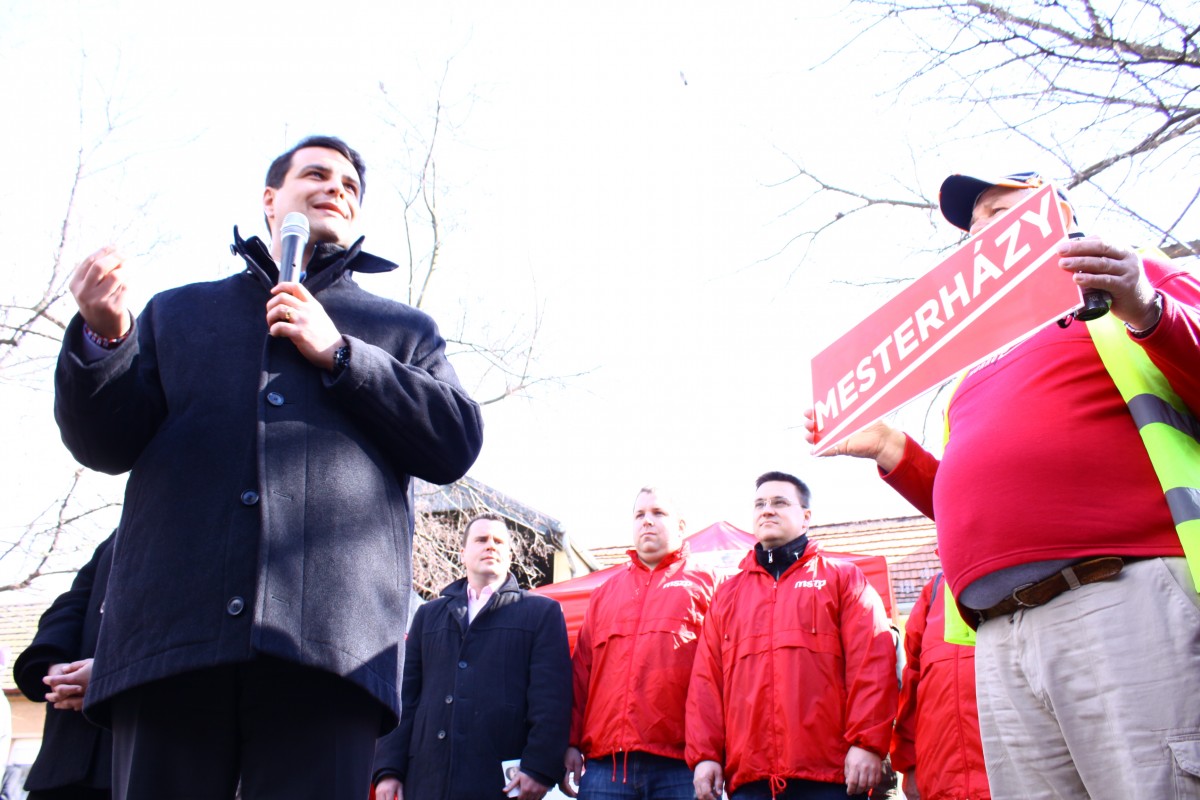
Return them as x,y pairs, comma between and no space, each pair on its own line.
414,403
59,637
1174,345
904,754
108,410
581,677
704,719
391,751
870,659
549,698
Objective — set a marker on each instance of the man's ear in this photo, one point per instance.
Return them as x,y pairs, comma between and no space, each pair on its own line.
269,205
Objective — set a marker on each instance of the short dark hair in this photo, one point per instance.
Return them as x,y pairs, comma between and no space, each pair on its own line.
280,166
801,486
489,515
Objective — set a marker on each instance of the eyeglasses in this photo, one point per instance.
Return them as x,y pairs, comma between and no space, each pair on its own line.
776,504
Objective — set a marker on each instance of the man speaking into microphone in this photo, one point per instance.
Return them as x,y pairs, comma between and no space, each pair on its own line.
254,623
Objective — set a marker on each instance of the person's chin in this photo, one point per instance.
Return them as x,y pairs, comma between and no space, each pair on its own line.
330,234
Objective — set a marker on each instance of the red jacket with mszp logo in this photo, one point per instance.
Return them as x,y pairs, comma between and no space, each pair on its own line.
634,657
791,674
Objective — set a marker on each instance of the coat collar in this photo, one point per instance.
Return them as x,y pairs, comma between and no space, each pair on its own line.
749,562
458,590
328,262
456,593
670,558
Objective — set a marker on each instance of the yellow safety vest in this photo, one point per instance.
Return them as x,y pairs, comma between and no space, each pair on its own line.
1170,432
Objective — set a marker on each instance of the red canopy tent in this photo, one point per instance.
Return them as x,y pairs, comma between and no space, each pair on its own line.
721,547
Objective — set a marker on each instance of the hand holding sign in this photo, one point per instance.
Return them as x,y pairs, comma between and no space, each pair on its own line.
878,441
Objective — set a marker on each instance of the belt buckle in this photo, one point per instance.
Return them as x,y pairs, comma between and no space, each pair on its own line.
1021,603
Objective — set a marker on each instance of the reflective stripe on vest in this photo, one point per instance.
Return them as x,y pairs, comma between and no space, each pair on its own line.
1169,431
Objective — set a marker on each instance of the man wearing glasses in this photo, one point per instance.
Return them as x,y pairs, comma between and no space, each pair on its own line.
793,691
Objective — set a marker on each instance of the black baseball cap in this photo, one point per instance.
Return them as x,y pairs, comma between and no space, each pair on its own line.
959,193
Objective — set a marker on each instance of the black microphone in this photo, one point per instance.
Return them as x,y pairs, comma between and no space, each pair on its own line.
1095,301
293,239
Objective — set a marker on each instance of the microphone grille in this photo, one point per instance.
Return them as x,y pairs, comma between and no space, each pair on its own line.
295,224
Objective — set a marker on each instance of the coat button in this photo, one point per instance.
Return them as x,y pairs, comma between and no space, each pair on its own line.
441,734
235,606
275,399
449,699
462,665
249,497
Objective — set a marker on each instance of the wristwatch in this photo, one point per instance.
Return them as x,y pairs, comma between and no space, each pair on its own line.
341,359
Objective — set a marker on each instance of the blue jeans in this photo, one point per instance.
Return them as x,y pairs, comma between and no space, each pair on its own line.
636,776
796,790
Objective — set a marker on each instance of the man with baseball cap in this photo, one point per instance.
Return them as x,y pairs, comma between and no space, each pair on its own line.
1067,494
959,193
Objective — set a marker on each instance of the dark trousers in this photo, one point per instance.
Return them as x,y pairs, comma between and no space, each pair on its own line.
283,730
796,790
70,793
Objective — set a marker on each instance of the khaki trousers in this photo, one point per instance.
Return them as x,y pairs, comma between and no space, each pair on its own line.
1097,693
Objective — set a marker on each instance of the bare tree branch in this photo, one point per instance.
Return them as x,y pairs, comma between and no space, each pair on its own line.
1110,89
40,548
509,356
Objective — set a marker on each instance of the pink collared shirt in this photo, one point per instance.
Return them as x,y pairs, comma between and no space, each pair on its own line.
477,600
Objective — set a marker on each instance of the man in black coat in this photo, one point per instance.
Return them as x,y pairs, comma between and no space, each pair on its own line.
487,680
75,760
262,567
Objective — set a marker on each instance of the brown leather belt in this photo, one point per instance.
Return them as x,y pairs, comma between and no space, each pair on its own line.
1036,594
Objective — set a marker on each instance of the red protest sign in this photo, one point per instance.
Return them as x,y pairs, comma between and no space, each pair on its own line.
989,293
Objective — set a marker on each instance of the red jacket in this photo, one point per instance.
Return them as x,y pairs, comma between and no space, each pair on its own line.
634,657
791,674
937,727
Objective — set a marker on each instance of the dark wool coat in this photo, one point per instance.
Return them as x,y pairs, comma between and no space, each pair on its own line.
478,694
267,509
74,751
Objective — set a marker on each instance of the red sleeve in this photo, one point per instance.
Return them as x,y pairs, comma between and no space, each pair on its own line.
913,476
581,676
1174,344
704,720
904,755
870,654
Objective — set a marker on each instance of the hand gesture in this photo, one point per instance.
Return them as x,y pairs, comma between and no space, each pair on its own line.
708,781
526,787
863,770
573,761
878,441
68,683
389,789
98,287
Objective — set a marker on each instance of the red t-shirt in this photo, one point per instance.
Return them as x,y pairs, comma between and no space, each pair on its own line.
1044,460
